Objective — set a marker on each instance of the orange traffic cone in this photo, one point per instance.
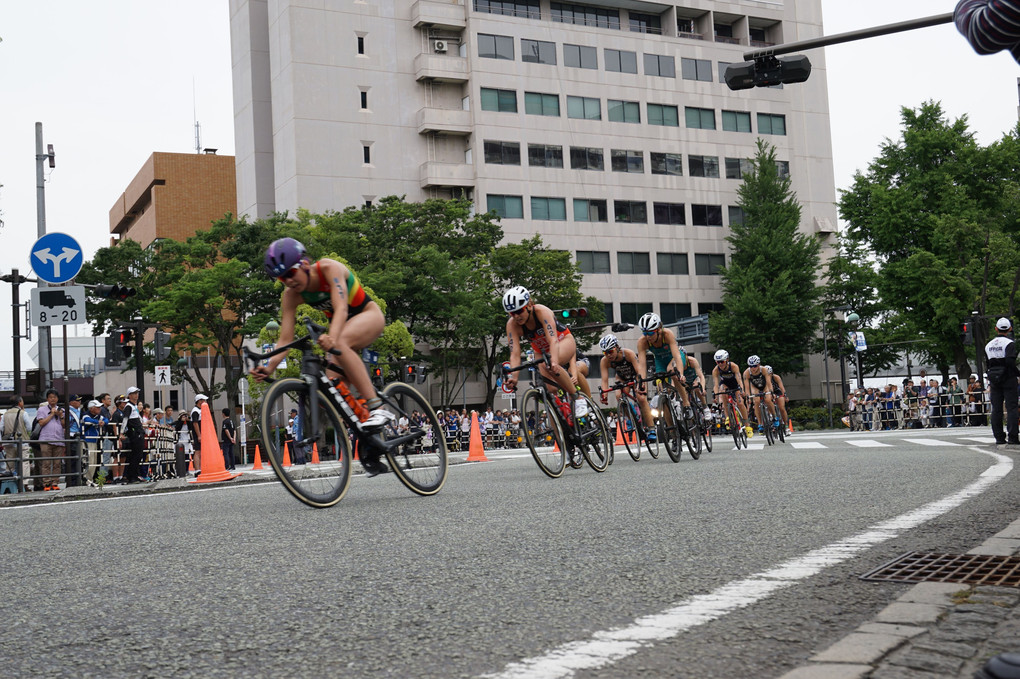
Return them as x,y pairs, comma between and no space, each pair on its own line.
315,453
619,434
213,469
258,459
286,454
790,422
475,451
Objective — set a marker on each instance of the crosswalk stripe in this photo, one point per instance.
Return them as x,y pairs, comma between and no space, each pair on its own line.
931,442
980,439
869,443
807,444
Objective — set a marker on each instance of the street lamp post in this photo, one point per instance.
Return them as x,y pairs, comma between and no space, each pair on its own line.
825,351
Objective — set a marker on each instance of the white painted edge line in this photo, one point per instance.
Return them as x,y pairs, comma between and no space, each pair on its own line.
607,647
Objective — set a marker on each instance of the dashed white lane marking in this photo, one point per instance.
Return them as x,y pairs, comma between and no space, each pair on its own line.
869,443
931,442
807,444
607,647
979,439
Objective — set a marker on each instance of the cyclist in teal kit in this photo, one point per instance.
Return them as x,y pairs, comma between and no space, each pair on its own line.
666,352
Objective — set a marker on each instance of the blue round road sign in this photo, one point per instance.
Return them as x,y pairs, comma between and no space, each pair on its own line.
56,258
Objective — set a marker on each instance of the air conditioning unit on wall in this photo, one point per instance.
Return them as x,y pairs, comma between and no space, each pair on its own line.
439,46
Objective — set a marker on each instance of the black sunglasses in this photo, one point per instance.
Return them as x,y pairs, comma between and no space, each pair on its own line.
289,273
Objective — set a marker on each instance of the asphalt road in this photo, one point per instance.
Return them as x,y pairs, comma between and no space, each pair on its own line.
504,565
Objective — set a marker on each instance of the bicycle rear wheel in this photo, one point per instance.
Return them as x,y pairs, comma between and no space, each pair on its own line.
693,437
421,463
781,429
542,433
627,422
766,421
670,427
594,438
316,468
735,427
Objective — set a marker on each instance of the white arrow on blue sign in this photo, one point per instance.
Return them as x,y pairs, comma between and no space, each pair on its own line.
56,258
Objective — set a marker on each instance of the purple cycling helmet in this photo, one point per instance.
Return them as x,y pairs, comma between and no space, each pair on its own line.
282,255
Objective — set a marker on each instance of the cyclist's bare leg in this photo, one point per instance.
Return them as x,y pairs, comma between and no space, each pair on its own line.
781,400
770,405
566,358
646,410
581,370
359,332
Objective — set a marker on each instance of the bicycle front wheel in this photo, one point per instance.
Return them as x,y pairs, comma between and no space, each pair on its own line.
627,423
693,436
419,462
314,466
594,439
543,434
766,421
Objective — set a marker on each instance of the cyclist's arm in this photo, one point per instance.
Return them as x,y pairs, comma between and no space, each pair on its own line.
288,315
674,349
545,318
745,379
604,370
768,383
715,381
513,339
336,277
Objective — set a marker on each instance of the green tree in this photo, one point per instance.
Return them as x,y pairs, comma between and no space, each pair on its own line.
938,213
769,289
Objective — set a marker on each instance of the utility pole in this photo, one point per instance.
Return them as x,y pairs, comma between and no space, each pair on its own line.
45,344
16,280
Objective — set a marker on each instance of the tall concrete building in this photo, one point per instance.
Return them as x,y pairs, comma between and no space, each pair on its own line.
604,126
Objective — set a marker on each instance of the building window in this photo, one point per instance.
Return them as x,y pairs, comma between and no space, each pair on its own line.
696,69
669,213
514,8
620,61
539,104
707,308
552,209
503,101
783,168
627,161
495,46
700,118
736,121
538,52
630,312
736,214
703,166
736,168
771,123
663,114
667,163
590,210
630,211
361,44
645,23
660,65
722,71
593,261
633,262
671,312
672,264
608,306
623,111
585,16
585,108
586,158
545,155
706,215
502,152
578,56
506,207
708,265
366,152
364,100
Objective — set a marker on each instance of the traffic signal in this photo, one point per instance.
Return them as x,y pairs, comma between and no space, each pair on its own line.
125,338
163,346
114,357
968,333
422,372
572,314
767,71
410,373
377,378
117,292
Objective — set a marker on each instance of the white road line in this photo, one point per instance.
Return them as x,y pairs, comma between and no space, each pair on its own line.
979,439
807,444
607,647
932,442
869,443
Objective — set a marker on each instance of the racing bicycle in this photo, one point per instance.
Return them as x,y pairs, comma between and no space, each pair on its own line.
628,419
673,427
312,454
731,419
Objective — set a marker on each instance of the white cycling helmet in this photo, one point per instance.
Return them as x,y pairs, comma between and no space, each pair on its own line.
516,298
650,322
768,369
722,355
608,342
753,360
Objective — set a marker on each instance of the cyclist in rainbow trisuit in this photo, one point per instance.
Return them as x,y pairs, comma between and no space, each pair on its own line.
355,322
727,373
666,352
625,363
778,393
758,381
537,324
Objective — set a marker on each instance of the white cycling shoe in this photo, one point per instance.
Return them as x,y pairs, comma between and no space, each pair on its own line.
379,417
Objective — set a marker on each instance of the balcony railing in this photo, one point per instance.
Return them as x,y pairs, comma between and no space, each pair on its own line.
690,36
435,173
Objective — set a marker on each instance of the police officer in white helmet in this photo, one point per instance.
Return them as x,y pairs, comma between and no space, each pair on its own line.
1002,379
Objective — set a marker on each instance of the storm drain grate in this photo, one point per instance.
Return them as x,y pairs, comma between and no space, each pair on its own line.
968,569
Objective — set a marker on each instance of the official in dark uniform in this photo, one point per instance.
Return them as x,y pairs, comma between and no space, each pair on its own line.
1002,380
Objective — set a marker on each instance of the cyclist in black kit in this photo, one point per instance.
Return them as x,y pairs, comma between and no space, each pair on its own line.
727,374
757,381
628,369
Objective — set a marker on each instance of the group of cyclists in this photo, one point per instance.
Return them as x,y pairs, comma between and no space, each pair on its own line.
356,321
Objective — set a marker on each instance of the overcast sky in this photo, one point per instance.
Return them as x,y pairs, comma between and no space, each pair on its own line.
115,80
